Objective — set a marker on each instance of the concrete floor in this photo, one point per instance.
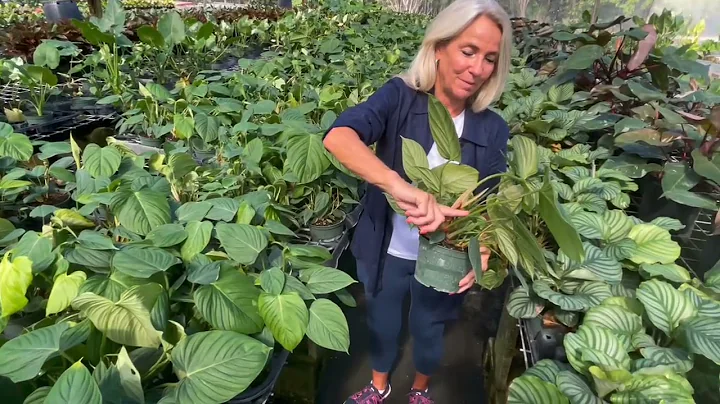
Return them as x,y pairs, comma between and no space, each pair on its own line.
461,378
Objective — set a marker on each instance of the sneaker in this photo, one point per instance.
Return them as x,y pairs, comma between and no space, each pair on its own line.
420,397
369,395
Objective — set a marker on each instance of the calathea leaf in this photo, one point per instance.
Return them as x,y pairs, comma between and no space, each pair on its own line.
532,390
665,306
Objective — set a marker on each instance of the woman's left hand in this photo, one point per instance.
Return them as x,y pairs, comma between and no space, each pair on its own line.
469,280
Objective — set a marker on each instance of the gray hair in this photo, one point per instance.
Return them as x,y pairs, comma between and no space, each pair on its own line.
448,24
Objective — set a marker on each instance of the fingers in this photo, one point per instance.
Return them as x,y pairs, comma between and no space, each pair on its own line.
451,212
467,282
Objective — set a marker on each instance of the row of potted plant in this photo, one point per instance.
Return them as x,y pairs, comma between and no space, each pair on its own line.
613,113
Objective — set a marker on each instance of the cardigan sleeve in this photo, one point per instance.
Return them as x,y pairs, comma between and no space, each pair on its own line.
369,118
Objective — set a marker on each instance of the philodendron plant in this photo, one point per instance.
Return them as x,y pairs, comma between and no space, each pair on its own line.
490,221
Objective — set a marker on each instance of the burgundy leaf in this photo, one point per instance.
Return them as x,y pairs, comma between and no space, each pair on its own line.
644,47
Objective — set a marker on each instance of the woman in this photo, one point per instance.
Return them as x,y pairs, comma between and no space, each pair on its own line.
464,61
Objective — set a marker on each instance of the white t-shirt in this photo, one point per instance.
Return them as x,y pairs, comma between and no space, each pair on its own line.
405,239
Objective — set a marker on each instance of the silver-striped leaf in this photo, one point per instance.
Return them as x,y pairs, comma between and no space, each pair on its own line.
521,304
597,338
701,335
531,390
654,245
623,323
665,305
597,266
576,388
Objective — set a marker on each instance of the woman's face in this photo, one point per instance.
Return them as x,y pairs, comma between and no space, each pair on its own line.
468,60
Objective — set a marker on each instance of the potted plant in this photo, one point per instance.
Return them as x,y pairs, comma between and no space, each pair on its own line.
327,218
42,83
447,255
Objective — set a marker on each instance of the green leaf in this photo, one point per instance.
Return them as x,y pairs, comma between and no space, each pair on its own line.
64,290
690,198
443,130
38,396
230,303
598,339
287,317
596,266
15,278
413,157
223,209
16,146
584,57
576,389
272,281
561,93
671,272
532,390
668,223
665,306
37,249
306,157
143,262
126,321
95,241
75,385
654,245
207,127
21,358
545,369
565,235
321,280
455,178
199,234
678,177
151,36
708,168
701,336
525,157
522,305
278,228
193,211
141,211
243,243
172,28
623,323
656,388
47,55
328,327
167,235
101,162
215,366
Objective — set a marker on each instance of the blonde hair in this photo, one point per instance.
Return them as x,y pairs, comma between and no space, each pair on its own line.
448,24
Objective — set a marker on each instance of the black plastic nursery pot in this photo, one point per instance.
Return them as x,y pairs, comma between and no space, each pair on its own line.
546,342
61,10
329,232
441,268
260,393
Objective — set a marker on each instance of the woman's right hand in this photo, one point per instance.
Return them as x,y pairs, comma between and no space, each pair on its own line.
421,208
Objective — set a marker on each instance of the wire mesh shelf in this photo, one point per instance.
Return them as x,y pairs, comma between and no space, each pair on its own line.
65,125
12,93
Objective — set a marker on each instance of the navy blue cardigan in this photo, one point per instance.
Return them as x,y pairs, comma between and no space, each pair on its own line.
396,110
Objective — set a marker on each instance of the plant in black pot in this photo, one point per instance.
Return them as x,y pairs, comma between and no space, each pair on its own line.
324,212
447,255
42,83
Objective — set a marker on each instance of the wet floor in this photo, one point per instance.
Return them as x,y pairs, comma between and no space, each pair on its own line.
461,377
